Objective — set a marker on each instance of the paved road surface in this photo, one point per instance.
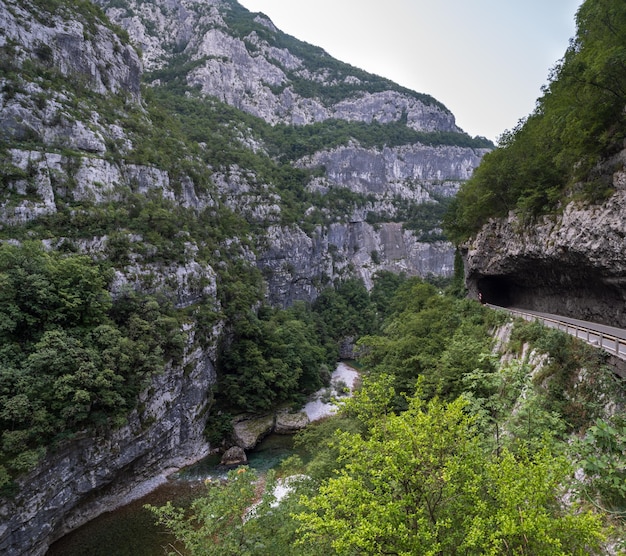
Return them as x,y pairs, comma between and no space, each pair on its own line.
599,335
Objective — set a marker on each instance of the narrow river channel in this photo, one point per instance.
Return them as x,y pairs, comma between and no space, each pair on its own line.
131,531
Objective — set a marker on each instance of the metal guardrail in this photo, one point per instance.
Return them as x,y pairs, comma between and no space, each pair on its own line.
612,344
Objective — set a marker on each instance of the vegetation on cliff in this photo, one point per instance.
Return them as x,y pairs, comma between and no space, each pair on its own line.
552,156
71,357
448,448
74,357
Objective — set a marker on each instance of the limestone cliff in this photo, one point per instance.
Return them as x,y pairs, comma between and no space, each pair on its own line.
89,475
571,263
89,164
223,51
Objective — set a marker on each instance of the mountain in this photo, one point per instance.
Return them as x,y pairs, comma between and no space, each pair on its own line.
369,151
168,167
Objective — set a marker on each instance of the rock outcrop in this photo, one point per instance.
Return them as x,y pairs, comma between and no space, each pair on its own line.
74,153
249,430
61,47
89,475
571,263
234,456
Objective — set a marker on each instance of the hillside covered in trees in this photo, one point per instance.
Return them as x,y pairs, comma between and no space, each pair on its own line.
565,150
455,444
196,211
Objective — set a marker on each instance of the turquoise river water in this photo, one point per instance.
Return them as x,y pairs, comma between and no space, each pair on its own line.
131,531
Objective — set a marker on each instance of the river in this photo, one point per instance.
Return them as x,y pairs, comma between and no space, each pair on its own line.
131,531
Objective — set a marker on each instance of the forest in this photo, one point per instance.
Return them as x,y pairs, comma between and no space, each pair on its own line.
452,445
562,152
448,447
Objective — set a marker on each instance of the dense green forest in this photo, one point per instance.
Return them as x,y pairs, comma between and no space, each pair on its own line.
450,447
552,156
446,449
71,357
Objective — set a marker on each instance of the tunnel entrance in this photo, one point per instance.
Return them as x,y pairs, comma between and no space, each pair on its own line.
496,290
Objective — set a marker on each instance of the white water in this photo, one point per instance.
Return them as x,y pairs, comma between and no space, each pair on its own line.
318,407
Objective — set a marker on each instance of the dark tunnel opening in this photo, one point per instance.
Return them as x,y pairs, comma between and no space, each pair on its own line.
496,290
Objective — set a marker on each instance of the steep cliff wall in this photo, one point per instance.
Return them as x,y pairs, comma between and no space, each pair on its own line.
91,474
86,166
84,53
570,264
295,263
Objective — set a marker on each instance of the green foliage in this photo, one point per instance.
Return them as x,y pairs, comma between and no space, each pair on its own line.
603,459
219,523
385,286
470,458
428,335
294,142
419,482
318,444
270,360
239,517
578,122
273,356
70,357
579,403
345,310
509,410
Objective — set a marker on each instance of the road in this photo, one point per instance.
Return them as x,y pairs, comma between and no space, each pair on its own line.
609,338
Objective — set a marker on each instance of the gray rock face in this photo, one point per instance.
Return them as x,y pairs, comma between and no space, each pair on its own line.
572,264
90,475
391,172
290,423
51,177
254,75
65,152
69,49
249,430
77,49
294,263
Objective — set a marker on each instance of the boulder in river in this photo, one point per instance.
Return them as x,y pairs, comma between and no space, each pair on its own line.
249,431
289,423
234,456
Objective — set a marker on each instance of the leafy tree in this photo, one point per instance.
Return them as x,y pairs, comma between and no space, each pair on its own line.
578,121
603,459
386,285
420,482
428,335
221,523
270,360
70,356
345,310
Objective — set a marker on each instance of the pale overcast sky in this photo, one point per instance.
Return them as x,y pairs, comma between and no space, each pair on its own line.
486,60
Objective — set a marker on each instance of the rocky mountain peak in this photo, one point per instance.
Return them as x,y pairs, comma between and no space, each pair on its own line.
244,60
213,162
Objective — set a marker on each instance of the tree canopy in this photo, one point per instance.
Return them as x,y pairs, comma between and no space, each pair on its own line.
552,155
419,482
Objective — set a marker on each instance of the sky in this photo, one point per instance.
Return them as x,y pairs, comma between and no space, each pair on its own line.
485,60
